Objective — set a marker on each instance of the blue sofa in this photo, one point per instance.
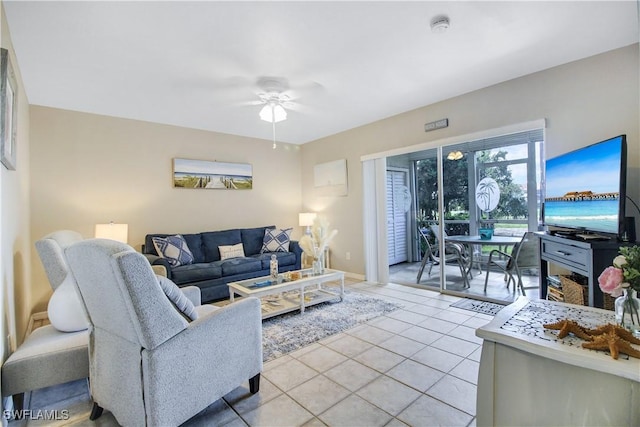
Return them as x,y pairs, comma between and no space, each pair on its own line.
211,274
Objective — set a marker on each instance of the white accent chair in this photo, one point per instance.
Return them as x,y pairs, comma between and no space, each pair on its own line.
148,364
56,353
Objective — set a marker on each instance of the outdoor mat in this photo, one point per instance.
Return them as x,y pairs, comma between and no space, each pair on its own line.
484,307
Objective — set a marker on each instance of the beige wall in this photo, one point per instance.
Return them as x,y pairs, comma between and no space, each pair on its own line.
89,169
584,102
15,244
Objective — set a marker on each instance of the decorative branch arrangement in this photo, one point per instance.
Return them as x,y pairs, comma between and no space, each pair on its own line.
314,245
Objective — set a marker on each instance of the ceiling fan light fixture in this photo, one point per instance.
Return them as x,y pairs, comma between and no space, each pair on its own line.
273,113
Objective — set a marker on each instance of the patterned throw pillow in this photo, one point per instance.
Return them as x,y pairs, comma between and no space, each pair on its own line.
174,249
177,298
232,251
276,240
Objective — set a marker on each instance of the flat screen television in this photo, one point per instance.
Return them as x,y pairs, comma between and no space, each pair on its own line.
585,189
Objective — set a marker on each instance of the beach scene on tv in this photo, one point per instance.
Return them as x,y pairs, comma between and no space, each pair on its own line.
583,188
212,175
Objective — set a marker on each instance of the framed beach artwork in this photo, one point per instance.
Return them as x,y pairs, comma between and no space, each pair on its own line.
212,175
9,112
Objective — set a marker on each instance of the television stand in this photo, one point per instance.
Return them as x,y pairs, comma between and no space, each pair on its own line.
587,258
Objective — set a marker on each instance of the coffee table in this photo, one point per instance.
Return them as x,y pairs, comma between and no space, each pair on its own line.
281,296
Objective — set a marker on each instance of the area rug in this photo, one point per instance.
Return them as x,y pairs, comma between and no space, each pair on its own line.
292,331
484,307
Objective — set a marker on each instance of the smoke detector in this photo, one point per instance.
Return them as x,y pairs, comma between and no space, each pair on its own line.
440,24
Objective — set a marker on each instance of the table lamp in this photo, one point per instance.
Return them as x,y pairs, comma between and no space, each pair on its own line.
305,219
112,231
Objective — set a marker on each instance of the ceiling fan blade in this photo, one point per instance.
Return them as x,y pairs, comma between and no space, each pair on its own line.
299,108
249,103
306,87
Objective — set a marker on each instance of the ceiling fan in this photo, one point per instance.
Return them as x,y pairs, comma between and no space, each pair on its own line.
276,97
278,91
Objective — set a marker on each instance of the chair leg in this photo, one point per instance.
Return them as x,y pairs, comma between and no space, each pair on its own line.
424,263
463,273
521,285
96,411
18,402
254,384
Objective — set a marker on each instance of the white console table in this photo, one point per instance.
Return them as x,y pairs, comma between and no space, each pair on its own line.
530,377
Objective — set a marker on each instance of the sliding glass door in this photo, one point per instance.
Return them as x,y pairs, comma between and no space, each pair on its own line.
489,184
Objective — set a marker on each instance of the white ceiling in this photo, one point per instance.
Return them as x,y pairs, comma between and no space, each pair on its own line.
195,64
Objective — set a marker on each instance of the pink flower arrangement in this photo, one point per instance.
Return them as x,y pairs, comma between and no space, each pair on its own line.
610,281
623,274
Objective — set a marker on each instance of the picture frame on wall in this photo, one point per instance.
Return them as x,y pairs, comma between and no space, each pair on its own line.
8,111
330,178
203,174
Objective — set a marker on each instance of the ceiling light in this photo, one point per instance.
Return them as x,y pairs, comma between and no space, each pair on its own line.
455,155
439,24
273,113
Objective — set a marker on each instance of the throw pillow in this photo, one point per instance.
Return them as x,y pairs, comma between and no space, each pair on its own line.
231,251
276,240
177,298
174,249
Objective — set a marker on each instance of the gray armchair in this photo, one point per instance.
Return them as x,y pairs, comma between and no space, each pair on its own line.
149,365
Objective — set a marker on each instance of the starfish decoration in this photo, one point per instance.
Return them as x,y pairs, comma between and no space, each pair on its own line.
567,326
616,330
610,341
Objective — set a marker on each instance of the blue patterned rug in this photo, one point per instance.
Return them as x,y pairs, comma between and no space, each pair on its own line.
292,331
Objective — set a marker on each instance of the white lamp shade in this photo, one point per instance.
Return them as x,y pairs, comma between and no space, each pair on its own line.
273,113
118,232
305,219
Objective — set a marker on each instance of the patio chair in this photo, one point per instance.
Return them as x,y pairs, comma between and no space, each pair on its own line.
524,255
453,254
463,249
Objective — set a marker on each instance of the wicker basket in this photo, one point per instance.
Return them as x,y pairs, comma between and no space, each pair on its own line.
576,293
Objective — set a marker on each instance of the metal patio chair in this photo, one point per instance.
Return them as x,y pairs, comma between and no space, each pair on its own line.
524,255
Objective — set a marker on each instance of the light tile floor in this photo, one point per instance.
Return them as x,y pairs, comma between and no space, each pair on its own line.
416,366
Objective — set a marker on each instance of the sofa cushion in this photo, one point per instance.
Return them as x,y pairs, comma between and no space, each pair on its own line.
174,249
196,272
212,239
276,240
284,258
194,242
240,265
177,298
231,251
252,239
